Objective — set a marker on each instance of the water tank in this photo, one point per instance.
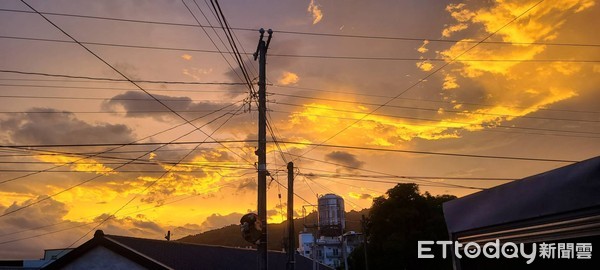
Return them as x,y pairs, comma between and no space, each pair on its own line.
332,220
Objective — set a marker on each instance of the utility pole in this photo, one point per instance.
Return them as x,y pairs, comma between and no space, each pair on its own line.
290,217
261,152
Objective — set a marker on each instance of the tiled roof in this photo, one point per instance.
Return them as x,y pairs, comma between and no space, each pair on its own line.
570,188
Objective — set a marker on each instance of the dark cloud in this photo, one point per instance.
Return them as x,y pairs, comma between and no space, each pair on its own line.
45,213
49,126
248,184
130,226
216,221
48,216
364,196
135,101
185,230
346,159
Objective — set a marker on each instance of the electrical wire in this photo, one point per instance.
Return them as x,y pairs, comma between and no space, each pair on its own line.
424,78
116,146
135,82
100,175
423,100
307,56
436,110
334,35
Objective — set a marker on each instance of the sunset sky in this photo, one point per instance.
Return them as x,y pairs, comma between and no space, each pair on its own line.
456,96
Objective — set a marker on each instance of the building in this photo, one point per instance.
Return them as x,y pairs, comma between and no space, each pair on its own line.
331,246
558,206
121,252
49,256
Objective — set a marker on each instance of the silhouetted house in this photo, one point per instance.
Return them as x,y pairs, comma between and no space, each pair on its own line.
121,252
558,206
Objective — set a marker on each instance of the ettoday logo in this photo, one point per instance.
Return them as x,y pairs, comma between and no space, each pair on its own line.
509,250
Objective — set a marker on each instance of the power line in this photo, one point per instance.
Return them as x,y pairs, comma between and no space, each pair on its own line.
431,152
111,217
128,79
344,176
117,146
283,31
126,214
113,79
424,100
97,112
228,34
62,87
483,126
98,176
320,145
212,41
384,175
425,109
27,146
151,184
423,79
104,98
331,57
409,181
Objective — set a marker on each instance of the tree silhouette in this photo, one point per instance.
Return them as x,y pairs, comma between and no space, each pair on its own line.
396,223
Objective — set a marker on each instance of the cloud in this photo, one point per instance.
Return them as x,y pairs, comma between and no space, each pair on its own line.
422,49
186,57
49,126
45,226
216,221
185,230
134,101
316,12
449,82
288,78
197,73
361,196
448,31
248,184
378,130
345,158
425,65
78,164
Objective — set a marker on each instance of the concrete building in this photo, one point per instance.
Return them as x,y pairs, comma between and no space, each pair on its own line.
331,246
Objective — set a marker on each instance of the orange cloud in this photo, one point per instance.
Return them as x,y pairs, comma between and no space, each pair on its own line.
422,49
288,78
315,11
186,57
516,87
77,164
425,65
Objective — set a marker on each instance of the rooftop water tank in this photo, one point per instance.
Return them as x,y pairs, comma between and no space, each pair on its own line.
332,220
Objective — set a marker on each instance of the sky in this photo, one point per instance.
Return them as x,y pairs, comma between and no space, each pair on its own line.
456,96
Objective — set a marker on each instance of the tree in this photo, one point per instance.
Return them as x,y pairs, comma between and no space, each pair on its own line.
396,222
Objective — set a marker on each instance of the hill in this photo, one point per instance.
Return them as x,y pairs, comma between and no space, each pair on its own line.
230,235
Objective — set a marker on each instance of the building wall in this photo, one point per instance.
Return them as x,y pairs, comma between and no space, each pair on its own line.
328,250
101,258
